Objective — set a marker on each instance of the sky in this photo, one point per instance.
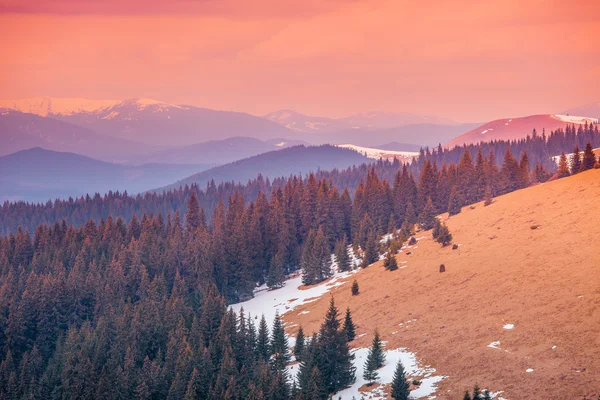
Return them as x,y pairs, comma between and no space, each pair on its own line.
468,60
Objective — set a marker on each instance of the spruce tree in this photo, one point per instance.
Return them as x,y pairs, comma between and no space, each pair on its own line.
589,158
400,385
476,392
456,201
390,262
355,289
575,161
262,341
444,236
279,346
436,229
299,346
192,215
335,359
467,396
487,196
563,166
377,350
349,328
370,373
341,254
427,217
371,251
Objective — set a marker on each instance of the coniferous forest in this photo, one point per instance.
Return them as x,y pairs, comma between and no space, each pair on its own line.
126,297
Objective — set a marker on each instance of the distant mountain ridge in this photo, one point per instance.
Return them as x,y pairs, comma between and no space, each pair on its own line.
293,160
517,128
38,175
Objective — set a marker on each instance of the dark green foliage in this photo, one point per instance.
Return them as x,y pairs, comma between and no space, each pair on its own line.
370,373
299,347
444,236
316,259
467,396
341,254
349,328
575,161
263,348
390,262
375,360
355,289
476,392
400,386
280,352
456,202
589,158
436,229
371,250
427,217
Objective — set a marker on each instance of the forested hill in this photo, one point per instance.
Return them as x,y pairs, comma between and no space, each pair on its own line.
137,310
291,161
539,149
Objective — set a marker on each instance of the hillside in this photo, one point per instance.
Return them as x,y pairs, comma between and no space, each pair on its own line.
517,128
21,131
216,151
590,110
382,154
504,272
38,175
293,160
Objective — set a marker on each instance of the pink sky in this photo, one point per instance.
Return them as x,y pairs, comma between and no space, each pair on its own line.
467,60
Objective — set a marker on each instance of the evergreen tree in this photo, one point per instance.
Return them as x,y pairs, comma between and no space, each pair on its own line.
341,254
427,217
456,201
400,385
192,216
377,351
589,158
279,346
444,236
371,251
335,359
575,161
349,328
299,346
370,373
435,233
467,396
262,342
476,392
563,167
355,289
390,262
487,196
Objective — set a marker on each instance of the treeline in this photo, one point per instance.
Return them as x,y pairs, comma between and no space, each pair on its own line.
539,149
116,309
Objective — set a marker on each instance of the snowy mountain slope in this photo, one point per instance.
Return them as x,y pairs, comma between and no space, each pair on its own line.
517,128
589,110
376,154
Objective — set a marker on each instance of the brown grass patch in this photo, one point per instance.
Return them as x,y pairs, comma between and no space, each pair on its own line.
546,282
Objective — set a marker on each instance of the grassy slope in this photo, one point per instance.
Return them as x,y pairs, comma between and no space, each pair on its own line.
545,281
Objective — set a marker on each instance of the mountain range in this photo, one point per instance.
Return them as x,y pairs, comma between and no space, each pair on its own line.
37,175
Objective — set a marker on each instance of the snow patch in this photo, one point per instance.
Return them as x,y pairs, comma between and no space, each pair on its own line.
389,155
529,370
509,326
386,375
573,119
280,144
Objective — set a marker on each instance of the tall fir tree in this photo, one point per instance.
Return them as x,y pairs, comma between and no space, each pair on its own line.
263,348
400,387
589,158
563,166
342,257
427,217
349,328
279,346
299,347
371,251
575,161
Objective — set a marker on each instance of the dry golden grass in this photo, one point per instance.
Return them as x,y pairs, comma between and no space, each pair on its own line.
545,281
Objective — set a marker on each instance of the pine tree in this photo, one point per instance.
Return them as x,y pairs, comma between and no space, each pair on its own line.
192,216
262,342
467,396
371,251
335,359
400,385
456,201
427,217
411,214
349,328
341,254
370,373
575,161
487,196
589,158
299,346
444,236
377,350
563,166
435,232
390,262
279,346
355,289
476,392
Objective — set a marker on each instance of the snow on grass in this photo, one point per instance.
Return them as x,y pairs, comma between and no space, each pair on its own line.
386,375
376,154
509,326
573,119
